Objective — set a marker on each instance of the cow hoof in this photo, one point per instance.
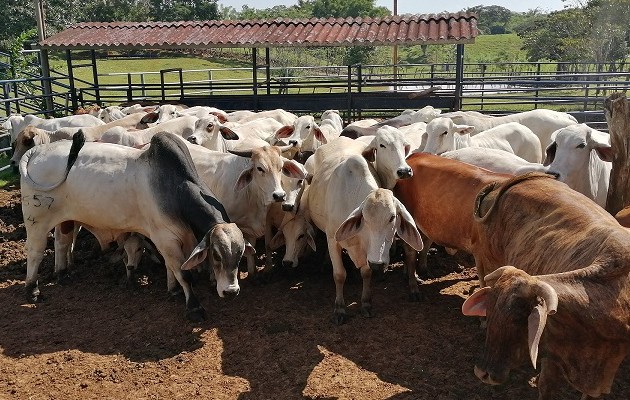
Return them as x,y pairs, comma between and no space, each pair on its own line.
176,294
63,278
416,297
339,318
33,295
197,314
367,311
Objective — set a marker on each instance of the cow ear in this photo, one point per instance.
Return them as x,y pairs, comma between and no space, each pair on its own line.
369,153
406,227
150,118
475,305
407,149
310,236
293,169
228,134
198,254
319,135
244,179
249,249
550,152
284,132
463,129
351,226
221,117
605,153
277,241
535,326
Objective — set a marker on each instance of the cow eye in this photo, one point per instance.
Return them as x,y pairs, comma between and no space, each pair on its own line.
301,236
308,127
382,145
29,142
444,134
300,182
260,169
580,146
391,219
173,113
216,257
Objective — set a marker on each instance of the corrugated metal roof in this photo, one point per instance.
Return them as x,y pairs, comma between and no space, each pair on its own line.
399,30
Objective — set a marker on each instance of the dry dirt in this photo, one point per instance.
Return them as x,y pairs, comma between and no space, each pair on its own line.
95,339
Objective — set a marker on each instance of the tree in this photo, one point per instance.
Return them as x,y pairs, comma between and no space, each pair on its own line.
492,19
347,8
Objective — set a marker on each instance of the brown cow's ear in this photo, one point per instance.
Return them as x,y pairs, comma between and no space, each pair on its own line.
150,118
198,254
319,135
351,226
369,154
551,153
605,153
244,179
277,241
284,132
228,134
475,305
221,117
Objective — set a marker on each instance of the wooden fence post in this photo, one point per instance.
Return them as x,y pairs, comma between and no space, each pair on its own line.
617,111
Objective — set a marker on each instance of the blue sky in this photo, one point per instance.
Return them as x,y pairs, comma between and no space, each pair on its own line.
421,6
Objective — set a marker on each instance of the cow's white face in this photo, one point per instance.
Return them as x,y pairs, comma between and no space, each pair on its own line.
298,133
571,153
166,112
425,114
441,134
377,220
388,150
334,118
292,187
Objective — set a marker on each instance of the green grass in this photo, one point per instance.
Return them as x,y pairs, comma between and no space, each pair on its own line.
495,48
7,177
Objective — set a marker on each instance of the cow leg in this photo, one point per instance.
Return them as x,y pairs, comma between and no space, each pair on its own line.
422,265
35,247
268,253
339,275
194,310
550,380
366,294
64,239
251,259
412,276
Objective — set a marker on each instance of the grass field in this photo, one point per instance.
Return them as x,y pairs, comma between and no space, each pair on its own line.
7,176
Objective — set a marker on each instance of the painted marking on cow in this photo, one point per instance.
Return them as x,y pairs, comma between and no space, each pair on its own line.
37,200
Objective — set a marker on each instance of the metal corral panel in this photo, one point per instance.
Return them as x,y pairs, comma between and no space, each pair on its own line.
395,30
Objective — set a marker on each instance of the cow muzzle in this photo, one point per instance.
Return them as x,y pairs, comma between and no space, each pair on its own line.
376,267
192,139
231,293
287,207
287,264
404,173
487,378
279,196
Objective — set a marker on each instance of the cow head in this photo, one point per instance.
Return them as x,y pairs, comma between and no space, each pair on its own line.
166,112
293,189
441,135
223,245
207,131
379,217
265,168
304,128
516,306
425,114
28,138
295,233
334,119
388,151
109,114
572,153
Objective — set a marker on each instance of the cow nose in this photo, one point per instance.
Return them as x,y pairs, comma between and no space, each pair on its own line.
404,172
287,263
287,207
279,196
376,267
293,142
231,293
192,139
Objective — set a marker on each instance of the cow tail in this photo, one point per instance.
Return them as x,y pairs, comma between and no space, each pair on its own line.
78,140
479,201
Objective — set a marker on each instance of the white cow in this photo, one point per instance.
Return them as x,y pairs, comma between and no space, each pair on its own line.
495,160
280,115
156,192
386,151
16,123
211,134
167,112
182,126
541,121
261,128
331,124
444,135
304,133
246,184
582,158
109,114
416,135
345,201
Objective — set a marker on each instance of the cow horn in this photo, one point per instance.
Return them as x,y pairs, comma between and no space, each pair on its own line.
494,276
286,148
243,153
535,326
549,294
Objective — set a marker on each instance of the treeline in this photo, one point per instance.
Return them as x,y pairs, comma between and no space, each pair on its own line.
585,31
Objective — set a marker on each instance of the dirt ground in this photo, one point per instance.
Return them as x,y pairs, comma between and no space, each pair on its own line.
94,338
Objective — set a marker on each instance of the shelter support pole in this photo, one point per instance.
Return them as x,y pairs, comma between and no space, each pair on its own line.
46,86
617,111
97,91
255,77
268,69
73,93
459,76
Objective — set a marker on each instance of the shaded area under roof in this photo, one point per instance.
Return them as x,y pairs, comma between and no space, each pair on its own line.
457,28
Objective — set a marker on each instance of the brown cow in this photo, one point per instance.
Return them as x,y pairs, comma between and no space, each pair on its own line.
578,314
441,197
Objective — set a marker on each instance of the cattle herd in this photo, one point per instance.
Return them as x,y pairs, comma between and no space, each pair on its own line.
523,194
